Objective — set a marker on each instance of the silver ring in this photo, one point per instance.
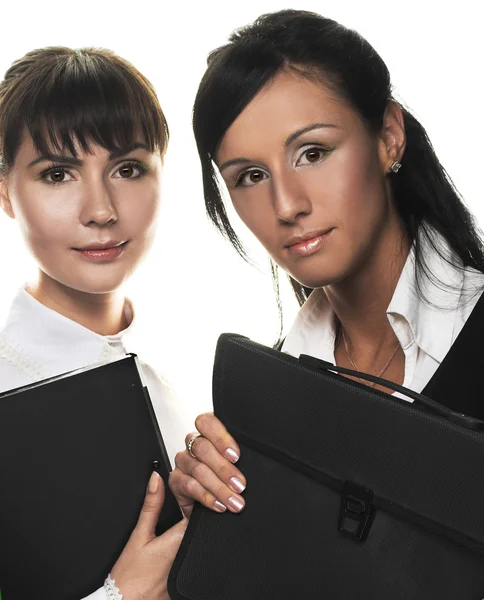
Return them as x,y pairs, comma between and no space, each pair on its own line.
190,444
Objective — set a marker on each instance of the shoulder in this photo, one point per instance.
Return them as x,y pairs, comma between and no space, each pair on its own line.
157,381
11,376
471,293
174,420
473,281
15,369
165,400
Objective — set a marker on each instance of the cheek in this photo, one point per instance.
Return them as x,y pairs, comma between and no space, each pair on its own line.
138,211
348,191
44,219
255,210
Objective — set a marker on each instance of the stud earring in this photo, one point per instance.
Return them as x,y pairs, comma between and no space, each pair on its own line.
395,166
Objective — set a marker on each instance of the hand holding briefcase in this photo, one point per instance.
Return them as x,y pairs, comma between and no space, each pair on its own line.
352,492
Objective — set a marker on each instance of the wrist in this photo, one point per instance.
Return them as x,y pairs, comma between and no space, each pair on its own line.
112,592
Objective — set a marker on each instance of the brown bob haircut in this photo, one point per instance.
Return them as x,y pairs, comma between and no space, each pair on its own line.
62,96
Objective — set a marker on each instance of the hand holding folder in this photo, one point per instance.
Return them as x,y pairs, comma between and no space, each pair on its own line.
143,567
76,453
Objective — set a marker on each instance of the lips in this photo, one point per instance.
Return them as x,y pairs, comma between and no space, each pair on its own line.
107,245
101,252
308,243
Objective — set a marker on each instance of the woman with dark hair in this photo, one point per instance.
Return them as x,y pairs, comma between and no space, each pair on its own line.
82,141
341,185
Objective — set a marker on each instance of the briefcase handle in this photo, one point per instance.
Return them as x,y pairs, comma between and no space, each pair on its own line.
420,400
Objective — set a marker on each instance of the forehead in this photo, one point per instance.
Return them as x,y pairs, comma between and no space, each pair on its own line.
286,104
28,151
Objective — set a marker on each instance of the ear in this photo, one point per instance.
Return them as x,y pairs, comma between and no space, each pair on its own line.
392,136
5,202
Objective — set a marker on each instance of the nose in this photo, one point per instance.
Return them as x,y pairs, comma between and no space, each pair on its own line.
290,199
98,207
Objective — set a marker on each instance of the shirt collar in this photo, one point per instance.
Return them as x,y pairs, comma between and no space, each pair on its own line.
425,311
430,322
55,342
313,330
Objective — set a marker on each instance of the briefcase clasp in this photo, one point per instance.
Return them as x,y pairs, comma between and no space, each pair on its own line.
356,511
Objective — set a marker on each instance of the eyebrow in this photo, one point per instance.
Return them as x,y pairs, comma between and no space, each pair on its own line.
72,160
306,129
287,142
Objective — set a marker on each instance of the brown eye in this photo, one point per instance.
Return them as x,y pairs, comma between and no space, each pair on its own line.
130,170
127,171
256,176
313,155
57,175
252,177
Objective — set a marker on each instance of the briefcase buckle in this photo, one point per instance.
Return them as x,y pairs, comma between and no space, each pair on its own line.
356,511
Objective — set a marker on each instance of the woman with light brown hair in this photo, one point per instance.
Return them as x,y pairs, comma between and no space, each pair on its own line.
82,141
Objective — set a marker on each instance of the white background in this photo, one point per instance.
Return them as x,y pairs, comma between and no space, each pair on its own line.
194,286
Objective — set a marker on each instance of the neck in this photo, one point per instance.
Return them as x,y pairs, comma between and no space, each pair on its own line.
360,301
101,313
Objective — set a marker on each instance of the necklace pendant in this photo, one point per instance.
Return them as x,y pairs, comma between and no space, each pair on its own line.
370,384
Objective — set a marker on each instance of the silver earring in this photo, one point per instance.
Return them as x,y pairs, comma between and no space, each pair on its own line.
395,166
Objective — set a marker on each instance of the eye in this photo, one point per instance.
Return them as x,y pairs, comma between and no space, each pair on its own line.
311,156
56,175
131,170
251,177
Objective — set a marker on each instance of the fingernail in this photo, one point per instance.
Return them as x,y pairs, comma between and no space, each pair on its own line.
237,485
232,455
219,507
154,483
235,503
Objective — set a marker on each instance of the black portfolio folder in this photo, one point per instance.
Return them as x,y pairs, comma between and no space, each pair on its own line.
76,454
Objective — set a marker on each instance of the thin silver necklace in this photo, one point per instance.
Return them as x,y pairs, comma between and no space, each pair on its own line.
354,365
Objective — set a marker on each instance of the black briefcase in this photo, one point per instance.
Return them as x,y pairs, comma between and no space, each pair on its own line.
352,493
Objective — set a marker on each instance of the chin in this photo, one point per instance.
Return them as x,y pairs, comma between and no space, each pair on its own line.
321,269
317,278
91,289
100,290
101,279
94,285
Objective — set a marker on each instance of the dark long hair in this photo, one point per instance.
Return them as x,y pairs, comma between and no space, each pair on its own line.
321,49
61,96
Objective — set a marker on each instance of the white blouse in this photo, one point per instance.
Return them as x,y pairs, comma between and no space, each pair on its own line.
37,342
425,329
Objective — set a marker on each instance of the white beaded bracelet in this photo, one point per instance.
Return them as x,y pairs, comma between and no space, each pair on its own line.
112,592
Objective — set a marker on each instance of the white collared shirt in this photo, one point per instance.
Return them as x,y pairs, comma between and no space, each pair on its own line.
37,342
425,330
